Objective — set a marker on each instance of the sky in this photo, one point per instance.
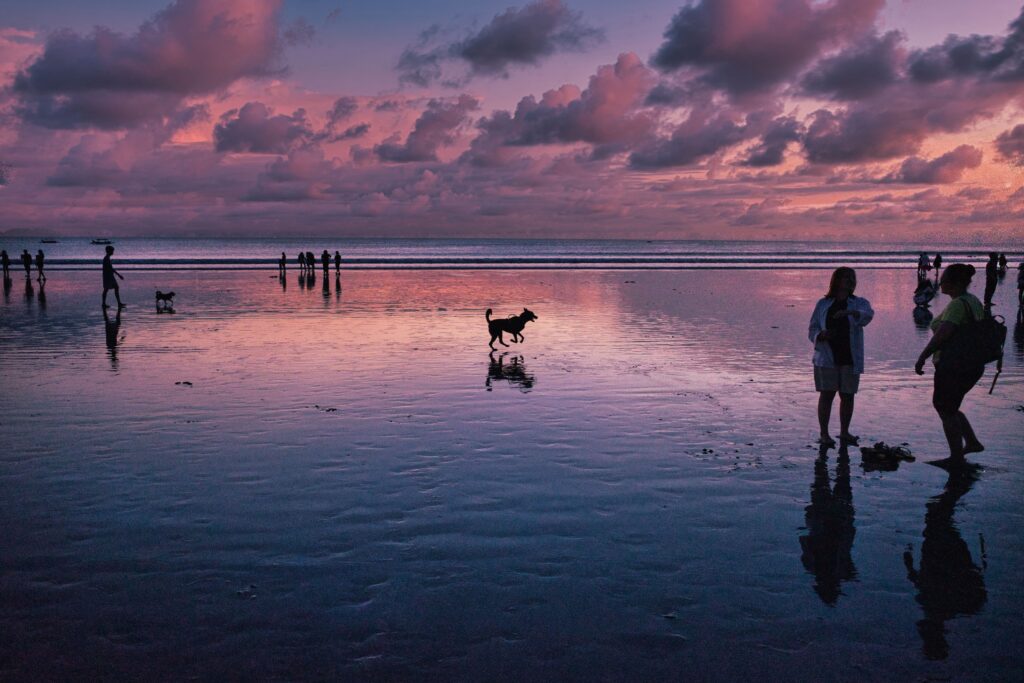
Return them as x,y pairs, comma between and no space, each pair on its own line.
704,119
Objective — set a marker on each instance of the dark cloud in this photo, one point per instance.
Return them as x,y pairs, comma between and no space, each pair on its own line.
772,148
343,108
697,138
352,132
860,71
947,168
1011,145
254,128
436,127
517,37
108,80
607,114
989,57
746,46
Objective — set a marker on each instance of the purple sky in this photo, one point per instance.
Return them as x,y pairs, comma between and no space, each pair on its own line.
746,119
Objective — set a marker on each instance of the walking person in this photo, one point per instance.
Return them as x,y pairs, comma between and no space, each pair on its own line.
325,260
109,283
1002,265
5,260
938,266
311,262
40,259
282,265
26,262
837,332
337,264
302,263
991,277
954,375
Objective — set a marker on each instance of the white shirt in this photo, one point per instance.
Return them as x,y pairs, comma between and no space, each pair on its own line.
861,316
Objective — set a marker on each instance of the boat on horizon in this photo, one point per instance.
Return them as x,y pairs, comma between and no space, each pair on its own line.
101,240
48,241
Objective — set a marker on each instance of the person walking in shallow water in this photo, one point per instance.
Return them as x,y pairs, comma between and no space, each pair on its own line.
109,283
5,260
282,265
337,263
991,277
954,375
40,260
26,262
837,332
325,260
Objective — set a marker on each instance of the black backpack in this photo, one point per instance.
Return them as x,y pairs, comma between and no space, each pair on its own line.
975,343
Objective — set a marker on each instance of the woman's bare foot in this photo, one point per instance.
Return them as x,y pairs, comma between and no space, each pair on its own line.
827,441
974,447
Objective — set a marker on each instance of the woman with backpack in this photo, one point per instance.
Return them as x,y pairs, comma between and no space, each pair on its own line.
955,372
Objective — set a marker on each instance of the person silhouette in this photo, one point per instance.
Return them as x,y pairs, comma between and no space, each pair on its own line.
111,329
937,264
1020,286
325,260
923,266
40,259
836,329
109,283
953,378
991,277
826,548
1002,264
948,582
311,262
282,265
337,263
5,260
26,262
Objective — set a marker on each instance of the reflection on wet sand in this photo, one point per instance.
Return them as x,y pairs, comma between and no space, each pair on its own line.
922,317
948,582
112,329
828,543
514,372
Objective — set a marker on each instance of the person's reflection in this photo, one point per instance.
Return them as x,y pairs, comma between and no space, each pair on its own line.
948,582
828,543
112,328
302,279
922,317
337,286
327,286
514,373
284,282
30,292
8,283
42,295
1018,335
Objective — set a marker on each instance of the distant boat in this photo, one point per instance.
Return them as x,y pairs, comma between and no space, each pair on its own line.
48,241
101,240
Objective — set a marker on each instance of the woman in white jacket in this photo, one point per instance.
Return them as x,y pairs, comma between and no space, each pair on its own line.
837,332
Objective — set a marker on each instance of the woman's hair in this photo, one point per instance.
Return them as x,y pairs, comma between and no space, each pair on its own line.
110,249
837,275
959,274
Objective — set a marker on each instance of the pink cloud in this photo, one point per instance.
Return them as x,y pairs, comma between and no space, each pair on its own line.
947,168
255,128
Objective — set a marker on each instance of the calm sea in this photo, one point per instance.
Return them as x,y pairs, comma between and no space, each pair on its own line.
217,254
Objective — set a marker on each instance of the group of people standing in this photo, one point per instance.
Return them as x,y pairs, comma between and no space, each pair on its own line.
837,331
307,263
26,262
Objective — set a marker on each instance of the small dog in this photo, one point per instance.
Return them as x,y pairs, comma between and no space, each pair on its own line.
167,299
513,324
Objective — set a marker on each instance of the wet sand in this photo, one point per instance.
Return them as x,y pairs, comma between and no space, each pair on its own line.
288,483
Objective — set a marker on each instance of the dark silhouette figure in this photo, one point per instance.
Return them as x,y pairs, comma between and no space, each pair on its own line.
953,380
40,261
514,373
949,584
937,264
112,329
513,324
282,265
991,277
1020,286
337,263
109,283
5,261
302,262
1002,266
1018,335
828,543
325,261
26,262
310,262
923,266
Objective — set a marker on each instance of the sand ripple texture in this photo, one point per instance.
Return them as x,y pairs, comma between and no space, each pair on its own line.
313,482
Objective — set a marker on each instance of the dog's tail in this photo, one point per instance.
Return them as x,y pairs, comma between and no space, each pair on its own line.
488,315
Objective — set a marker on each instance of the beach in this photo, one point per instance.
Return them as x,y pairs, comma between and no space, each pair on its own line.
279,481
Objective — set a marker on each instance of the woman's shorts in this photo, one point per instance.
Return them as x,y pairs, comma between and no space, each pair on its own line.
842,379
952,385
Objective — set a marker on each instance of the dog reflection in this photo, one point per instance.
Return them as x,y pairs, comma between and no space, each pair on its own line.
514,372
828,544
948,582
922,317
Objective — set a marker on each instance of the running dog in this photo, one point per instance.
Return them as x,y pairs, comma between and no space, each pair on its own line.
167,299
513,324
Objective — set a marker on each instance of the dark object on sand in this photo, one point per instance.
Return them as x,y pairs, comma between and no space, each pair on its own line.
166,298
513,324
883,453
